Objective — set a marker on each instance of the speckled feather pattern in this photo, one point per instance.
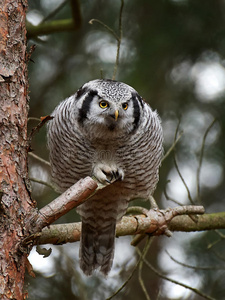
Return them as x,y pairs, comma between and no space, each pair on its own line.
81,136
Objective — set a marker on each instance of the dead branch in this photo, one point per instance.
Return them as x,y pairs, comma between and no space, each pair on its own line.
74,196
156,223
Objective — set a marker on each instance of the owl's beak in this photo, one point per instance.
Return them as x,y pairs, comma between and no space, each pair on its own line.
116,114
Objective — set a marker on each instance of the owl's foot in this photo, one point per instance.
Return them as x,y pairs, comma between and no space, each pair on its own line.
106,174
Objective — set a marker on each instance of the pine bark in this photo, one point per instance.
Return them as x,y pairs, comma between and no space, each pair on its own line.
15,201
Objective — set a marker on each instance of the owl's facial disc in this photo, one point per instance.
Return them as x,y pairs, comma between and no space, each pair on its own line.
108,105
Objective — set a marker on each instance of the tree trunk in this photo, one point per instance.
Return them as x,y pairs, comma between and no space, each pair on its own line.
15,202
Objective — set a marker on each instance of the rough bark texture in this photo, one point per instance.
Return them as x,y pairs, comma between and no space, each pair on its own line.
15,202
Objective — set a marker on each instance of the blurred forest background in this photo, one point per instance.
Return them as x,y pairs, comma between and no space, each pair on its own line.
172,53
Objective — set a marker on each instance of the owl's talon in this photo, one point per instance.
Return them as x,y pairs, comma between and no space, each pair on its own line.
115,175
107,174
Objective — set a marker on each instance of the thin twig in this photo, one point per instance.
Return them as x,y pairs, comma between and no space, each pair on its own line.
173,146
43,161
200,160
194,267
110,30
220,234
209,246
198,292
54,12
43,121
131,274
177,130
219,256
117,37
33,119
182,179
43,183
140,269
168,197
118,41
176,164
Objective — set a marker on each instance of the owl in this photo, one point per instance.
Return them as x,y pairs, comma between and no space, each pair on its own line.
105,130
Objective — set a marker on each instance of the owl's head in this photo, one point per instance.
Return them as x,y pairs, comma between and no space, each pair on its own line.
108,106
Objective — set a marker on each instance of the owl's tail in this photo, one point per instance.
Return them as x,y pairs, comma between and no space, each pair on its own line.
97,246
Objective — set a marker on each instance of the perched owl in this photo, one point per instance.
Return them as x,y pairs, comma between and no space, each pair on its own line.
105,130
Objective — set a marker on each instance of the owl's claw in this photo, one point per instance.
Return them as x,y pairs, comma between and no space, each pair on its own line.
118,174
106,174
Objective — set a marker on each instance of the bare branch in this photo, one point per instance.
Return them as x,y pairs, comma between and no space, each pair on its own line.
54,12
168,197
176,164
74,196
117,37
43,121
33,119
196,291
43,161
205,222
132,273
142,256
200,160
50,27
173,146
156,223
194,267
109,29
76,13
118,41
42,182
182,179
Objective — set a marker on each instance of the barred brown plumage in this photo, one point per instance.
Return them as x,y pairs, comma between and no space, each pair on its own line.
119,142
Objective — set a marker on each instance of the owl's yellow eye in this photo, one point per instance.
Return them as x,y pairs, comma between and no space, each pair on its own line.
103,104
125,106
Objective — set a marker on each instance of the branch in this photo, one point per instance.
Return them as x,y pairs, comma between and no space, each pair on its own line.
50,27
156,223
43,121
173,146
118,41
145,250
74,196
43,161
161,275
195,267
205,222
57,25
182,179
117,37
43,183
53,13
201,159
110,30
